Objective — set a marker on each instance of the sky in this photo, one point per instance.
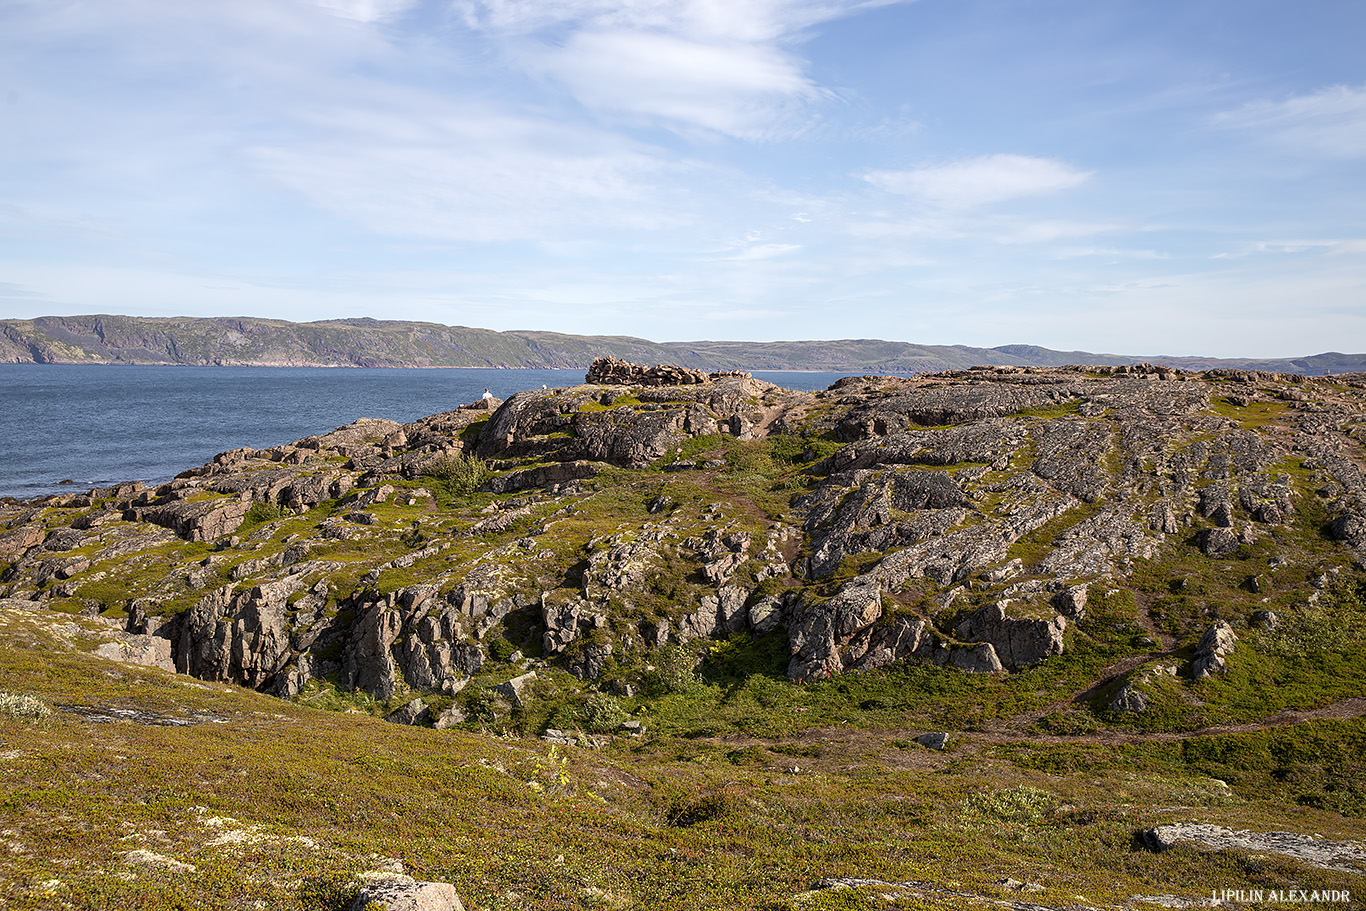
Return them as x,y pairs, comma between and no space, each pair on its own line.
1179,177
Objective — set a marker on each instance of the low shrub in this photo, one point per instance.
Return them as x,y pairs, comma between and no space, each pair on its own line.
601,713
22,708
261,513
674,670
1021,805
459,476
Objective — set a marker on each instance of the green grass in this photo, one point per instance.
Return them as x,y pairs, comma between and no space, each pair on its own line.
1253,416
665,822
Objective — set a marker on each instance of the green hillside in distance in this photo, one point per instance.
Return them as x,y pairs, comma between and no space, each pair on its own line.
365,342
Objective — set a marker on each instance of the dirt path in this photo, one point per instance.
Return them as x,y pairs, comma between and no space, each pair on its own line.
1013,728
847,743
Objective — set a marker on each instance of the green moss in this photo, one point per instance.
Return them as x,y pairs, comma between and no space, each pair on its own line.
1036,545
1253,416
1051,412
624,400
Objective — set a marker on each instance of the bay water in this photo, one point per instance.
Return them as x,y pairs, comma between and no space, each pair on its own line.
100,425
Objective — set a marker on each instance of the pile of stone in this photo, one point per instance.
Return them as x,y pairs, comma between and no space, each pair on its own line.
611,371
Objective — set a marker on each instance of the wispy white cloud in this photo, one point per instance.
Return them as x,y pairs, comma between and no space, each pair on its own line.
1111,253
753,20
1049,230
463,172
738,89
763,251
367,10
726,68
1330,122
981,181
1303,245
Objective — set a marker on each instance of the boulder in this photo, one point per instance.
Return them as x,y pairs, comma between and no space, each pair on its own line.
1217,642
310,490
148,651
515,690
1071,602
566,622
1018,641
414,713
765,615
1218,542
974,659
731,616
935,741
902,638
820,628
396,892
1128,699
1162,518
449,719
1350,528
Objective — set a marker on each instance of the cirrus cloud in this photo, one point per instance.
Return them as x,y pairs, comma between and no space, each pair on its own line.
1329,122
981,181
687,65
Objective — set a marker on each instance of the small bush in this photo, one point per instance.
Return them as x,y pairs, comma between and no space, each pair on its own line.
22,708
501,649
327,892
261,513
459,476
601,713
675,670
481,704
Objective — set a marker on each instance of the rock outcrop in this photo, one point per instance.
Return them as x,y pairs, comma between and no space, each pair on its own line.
819,628
1347,856
397,892
1212,650
1018,640
977,520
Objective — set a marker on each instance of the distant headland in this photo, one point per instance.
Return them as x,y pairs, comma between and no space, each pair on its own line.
253,342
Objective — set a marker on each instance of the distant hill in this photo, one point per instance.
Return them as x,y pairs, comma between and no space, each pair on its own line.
248,341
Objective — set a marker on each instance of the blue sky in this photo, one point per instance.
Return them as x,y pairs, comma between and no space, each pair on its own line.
1155,177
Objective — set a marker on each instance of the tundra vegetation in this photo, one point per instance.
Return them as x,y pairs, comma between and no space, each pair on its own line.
668,639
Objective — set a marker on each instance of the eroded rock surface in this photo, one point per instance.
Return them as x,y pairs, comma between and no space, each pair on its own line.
966,518
1348,856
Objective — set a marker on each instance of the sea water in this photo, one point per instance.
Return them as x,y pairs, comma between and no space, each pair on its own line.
99,425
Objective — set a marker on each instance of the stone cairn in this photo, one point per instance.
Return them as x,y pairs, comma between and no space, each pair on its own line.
611,371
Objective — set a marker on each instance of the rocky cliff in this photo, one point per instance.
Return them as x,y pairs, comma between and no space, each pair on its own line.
982,521
247,341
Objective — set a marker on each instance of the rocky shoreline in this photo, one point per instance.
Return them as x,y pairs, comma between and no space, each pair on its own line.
966,519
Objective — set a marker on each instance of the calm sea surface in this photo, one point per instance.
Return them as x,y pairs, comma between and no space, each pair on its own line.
100,425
